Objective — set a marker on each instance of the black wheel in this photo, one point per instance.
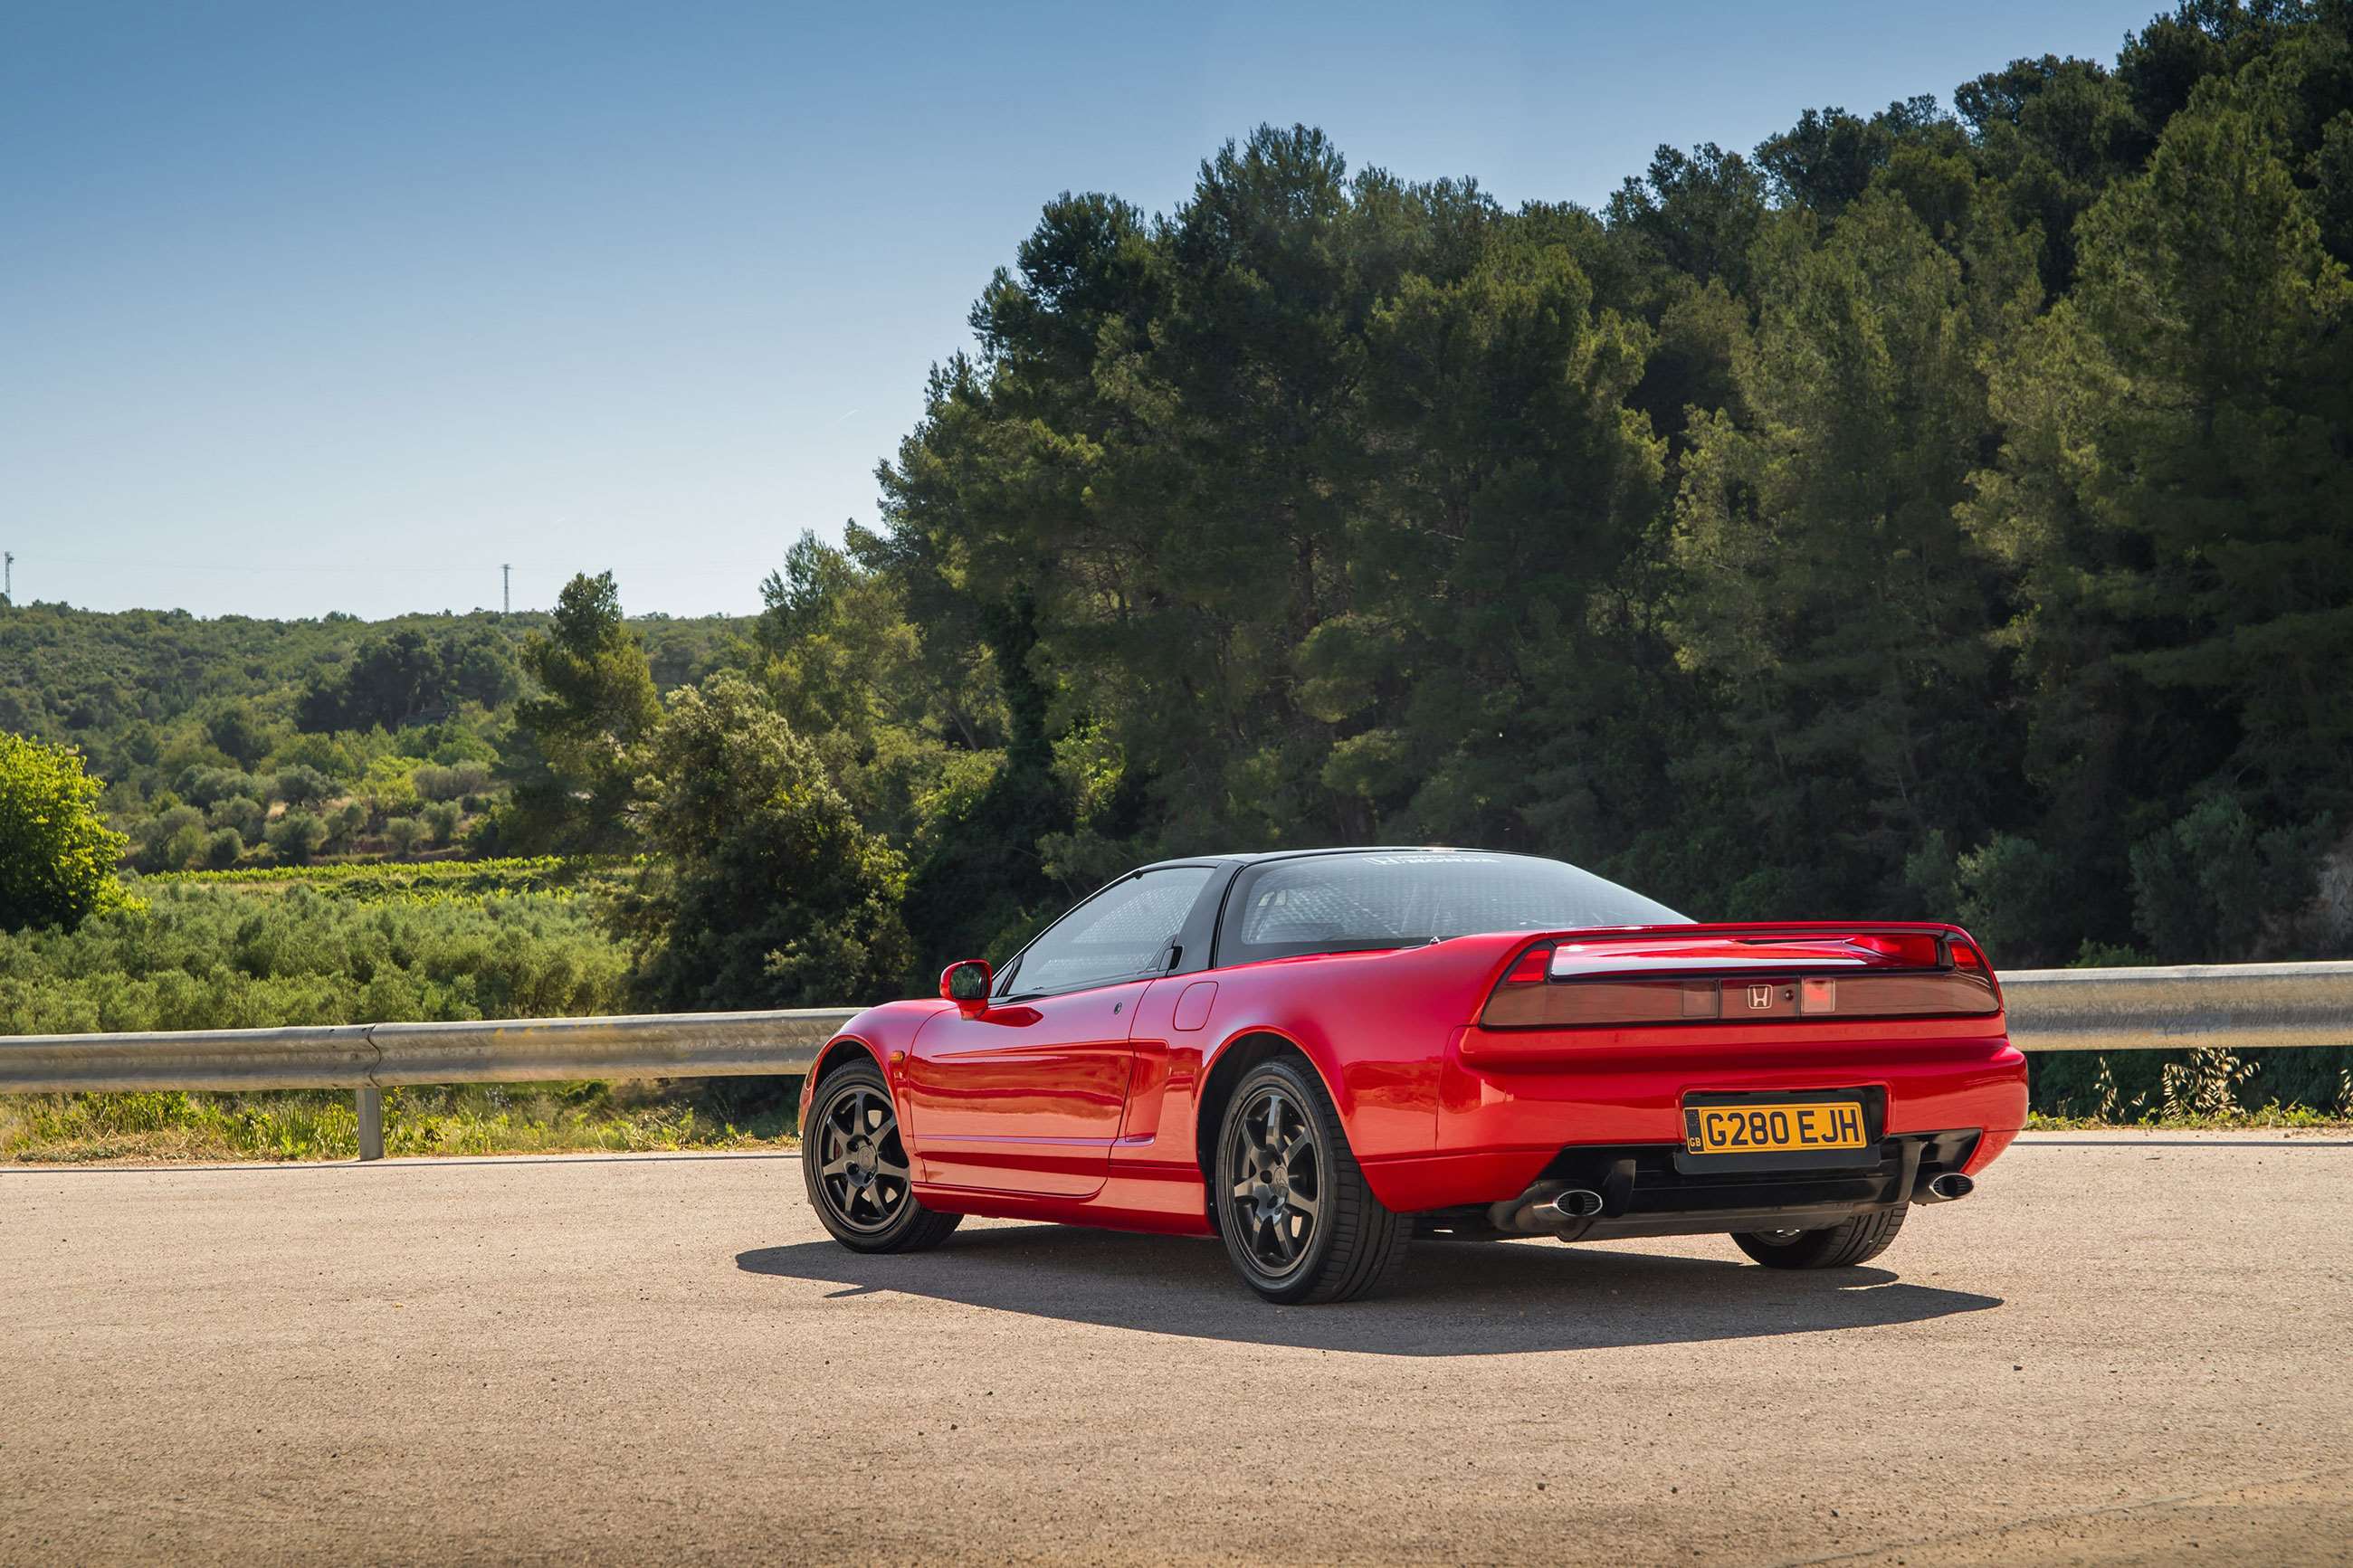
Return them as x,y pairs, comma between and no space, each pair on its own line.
856,1167
1298,1220
1842,1246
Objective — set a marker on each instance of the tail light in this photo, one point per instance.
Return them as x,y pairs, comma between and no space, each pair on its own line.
1555,986
1533,967
1969,959
1912,952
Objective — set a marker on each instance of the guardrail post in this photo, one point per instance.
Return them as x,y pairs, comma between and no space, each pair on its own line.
371,1100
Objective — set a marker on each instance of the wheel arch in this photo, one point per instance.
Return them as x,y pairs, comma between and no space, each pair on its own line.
1227,1069
839,1050
842,1049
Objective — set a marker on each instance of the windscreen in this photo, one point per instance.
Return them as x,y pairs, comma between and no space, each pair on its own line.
1331,903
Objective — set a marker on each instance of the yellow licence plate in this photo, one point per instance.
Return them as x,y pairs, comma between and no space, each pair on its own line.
1772,1129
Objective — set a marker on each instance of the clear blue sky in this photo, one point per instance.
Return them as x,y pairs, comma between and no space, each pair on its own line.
311,307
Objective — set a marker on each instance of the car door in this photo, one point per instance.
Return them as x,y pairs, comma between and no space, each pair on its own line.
1026,1095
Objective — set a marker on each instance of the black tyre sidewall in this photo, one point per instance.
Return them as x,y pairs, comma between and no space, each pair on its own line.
1843,1245
1349,1209
913,1226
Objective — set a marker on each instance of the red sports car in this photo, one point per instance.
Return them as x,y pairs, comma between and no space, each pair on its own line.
1319,1054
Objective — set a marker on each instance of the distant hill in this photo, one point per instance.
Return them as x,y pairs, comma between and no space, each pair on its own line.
382,737
90,677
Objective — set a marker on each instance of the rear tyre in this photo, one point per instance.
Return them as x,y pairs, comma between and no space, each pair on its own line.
1298,1220
855,1166
1842,1245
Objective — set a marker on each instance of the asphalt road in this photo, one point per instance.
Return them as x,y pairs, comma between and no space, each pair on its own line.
2124,1349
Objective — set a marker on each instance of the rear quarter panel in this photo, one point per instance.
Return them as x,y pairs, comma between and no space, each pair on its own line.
1376,1027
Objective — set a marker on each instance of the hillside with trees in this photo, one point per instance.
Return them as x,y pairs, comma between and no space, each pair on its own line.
239,741
1934,510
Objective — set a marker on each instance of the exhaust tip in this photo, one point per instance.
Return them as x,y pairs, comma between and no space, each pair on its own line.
1577,1203
1949,1185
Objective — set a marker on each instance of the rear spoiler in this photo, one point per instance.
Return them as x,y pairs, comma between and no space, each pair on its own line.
1753,971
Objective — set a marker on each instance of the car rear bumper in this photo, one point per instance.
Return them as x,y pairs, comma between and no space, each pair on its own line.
1499,1131
1647,1190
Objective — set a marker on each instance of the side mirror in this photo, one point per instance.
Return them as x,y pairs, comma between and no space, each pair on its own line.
965,984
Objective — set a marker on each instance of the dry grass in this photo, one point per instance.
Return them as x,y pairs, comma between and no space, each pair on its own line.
2294,1118
580,1117
481,1119
2201,1093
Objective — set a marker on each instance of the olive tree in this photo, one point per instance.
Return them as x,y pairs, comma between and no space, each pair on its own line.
57,855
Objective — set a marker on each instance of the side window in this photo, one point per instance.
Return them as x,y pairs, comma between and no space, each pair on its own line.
1121,933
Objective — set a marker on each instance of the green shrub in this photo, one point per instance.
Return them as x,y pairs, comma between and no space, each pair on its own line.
453,782
166,839
2010,892
297,836
767,892
57,855
205,787
248,817
345,824
184,850
301,785
240,950
2205,886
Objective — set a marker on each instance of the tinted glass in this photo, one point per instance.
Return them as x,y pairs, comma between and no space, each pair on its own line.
1328,903
1121,933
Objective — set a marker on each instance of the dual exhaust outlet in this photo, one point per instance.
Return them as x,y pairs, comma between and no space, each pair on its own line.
1575,1206
1584,1203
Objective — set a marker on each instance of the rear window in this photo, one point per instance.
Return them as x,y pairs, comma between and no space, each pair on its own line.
1335,903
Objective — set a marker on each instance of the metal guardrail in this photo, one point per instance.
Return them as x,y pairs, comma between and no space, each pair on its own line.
368,1058
378,1055
2239,1007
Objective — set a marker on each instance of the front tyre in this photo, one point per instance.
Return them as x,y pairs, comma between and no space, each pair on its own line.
1298,1220
1851,1241
855,1165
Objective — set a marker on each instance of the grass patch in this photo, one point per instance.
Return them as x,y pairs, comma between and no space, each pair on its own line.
2302,1117
166,1126
169,1126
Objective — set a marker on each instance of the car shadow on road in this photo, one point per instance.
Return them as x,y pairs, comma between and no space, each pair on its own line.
1457,1298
